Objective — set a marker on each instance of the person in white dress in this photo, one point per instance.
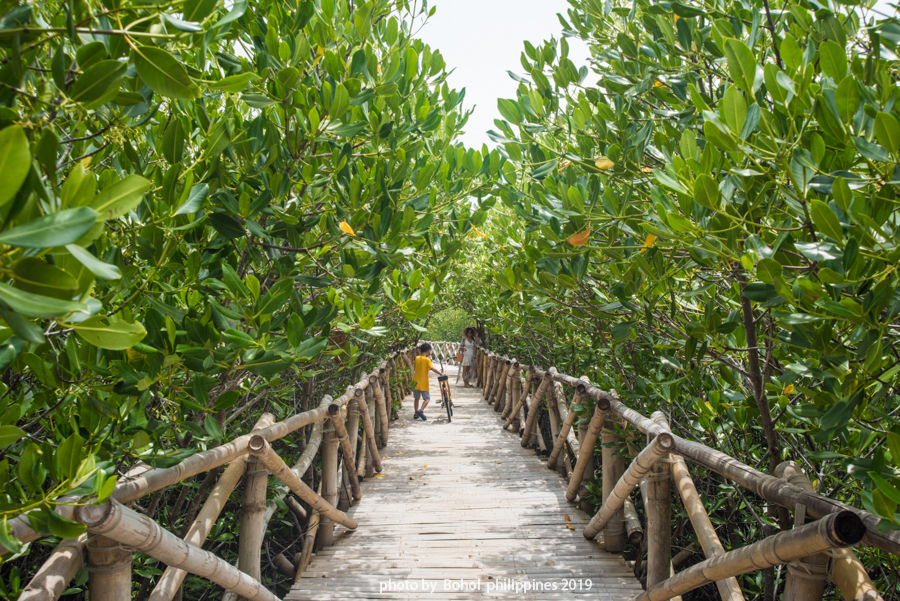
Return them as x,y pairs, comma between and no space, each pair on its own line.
467,348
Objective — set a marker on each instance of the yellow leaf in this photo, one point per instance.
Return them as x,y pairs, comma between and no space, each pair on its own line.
426,466
581,238
567,519
658,84
563,165
379,475
676,18
651,238
788,389
345,227
604,163
570,526
132,354
474,229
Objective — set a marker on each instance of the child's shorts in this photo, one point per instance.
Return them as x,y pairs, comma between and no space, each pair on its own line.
421,394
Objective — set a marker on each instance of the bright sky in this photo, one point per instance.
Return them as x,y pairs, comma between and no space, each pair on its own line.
483,39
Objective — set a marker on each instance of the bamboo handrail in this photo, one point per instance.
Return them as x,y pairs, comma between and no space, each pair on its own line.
836,530
658,447
261,448
117,522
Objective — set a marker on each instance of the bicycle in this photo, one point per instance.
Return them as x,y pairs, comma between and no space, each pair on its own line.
446,401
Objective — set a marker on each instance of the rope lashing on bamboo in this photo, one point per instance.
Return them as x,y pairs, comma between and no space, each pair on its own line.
835,530
126,526
808,571
260,448
659,446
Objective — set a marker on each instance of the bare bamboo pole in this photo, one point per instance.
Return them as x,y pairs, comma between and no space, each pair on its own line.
522,397
554,391
851,577
586,452
500,395
340,435
493,374
806,576
171,580
836,530
362,462
533,410
566,428
253,510
129,528
385,379
309,541
261,448
488,369
658,447
329,486
55,574
370,461
353,434
632,523
378,423
370,431
659,516
515,393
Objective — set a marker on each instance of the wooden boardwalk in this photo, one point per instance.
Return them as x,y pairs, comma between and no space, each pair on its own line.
463,502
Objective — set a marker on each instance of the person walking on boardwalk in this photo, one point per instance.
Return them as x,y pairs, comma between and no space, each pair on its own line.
420,390
467,348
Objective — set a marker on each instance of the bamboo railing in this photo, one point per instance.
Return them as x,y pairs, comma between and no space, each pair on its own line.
663,462
115,530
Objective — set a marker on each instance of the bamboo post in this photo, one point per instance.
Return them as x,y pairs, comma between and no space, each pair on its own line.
500,395
806,575
379,423
659,516
339,435
370,459
329,485
374,457
612,505
131,529
553,408
260,448
170,582
835,530
491,380
381,407
362,461
613,471
586,452
514,413
533,409
486,385
109,568
385,382
565,429
633,528
515,391
353,434
252,510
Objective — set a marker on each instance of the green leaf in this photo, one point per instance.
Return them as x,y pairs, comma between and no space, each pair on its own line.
34,305
194,201
706,192
64,527
36,275
257,101
97,81
888,489
121,197
311,347
15,161
759,292
237,11
102,270
833,60
181,25
274,298
242,339
887,130
235,83
346,131
893,440
164,74
9,542
10,435
55,229
227,400
226,226
825,220
68,456
117,336
212,426
742,64
173,142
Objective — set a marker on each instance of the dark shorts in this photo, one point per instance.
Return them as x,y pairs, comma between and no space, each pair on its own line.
421,394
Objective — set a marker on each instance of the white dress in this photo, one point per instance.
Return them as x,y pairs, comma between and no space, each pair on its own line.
468,349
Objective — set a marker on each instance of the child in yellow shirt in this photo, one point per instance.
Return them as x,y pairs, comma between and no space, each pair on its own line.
420,386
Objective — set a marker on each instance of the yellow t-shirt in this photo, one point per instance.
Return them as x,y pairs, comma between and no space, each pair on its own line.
423,366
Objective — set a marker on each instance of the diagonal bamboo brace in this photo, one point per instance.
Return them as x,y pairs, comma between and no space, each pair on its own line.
586,452
836,530
533,409
371,443
340,432
128,527
640,467
566,427
260,447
